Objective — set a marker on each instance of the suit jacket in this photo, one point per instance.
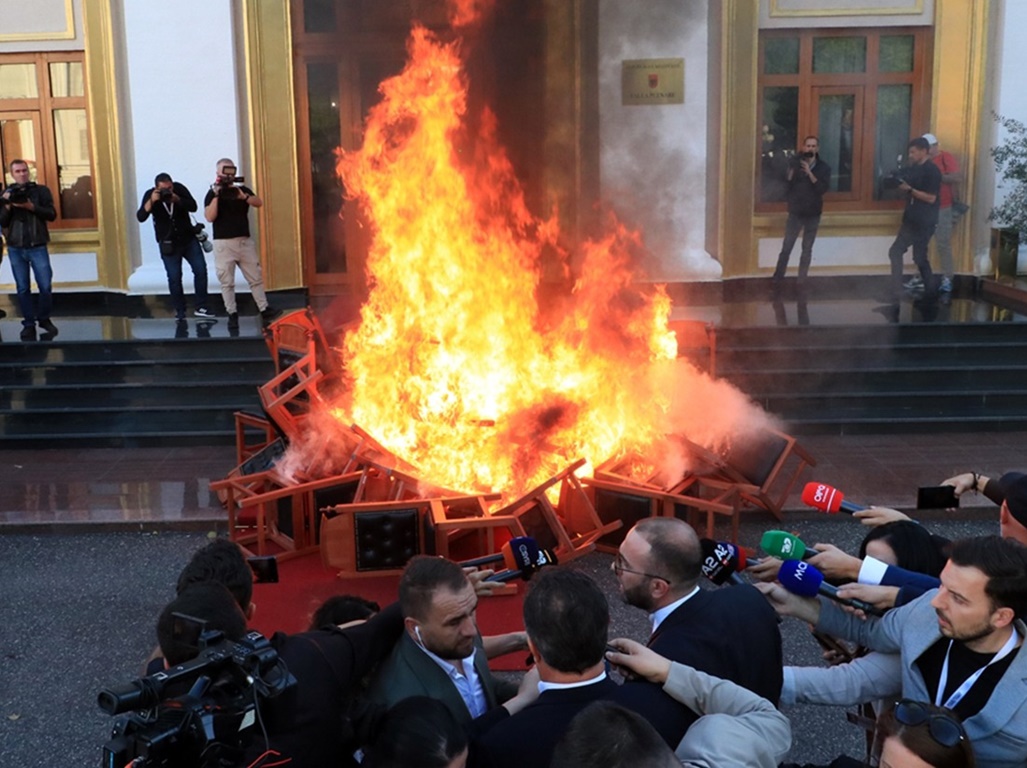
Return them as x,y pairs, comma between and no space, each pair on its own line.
409,671
731,633
999,731
529,737
738,729
864,679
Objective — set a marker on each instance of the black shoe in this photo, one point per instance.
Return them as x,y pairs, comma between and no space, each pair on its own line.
48,326
233,320
270,314
205,314
181,329
28,333
3,313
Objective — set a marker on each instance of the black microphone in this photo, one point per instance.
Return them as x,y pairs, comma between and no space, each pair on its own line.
507,554
801,578
721,561
527,557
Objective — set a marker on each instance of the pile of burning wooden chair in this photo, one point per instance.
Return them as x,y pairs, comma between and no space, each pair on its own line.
368,512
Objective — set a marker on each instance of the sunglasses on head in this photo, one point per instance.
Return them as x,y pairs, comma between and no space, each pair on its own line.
944,729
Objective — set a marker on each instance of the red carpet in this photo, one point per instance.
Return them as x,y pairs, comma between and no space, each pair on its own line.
304,583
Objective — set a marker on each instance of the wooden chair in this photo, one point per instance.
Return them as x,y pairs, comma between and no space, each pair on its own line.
372,539
283,514
296,335
287,397
456,519
764,468
568,536
246,426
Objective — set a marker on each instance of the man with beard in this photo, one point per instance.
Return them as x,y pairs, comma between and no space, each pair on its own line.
441,655
725,632
960,646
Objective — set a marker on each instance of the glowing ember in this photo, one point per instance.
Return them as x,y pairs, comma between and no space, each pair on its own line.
453,366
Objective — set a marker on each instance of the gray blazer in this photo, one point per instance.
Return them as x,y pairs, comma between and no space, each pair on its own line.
868,678
409,671
999,731
737,728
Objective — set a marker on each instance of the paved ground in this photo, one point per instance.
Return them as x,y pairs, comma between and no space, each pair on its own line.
77,613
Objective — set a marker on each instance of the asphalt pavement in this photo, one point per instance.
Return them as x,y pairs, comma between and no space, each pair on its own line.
77,613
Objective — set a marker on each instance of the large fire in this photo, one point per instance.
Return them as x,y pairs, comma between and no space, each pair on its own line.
453,365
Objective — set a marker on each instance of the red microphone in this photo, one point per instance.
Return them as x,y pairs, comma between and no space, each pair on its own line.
828,499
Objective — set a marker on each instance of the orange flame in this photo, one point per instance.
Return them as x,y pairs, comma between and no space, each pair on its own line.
453,366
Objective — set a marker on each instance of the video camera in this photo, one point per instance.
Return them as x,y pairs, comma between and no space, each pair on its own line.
20,192
894,178
197,714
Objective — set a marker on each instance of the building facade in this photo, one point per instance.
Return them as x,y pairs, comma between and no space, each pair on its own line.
101,95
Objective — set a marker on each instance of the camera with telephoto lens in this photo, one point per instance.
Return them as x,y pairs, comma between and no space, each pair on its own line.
202,713
20,192
199,232
894,179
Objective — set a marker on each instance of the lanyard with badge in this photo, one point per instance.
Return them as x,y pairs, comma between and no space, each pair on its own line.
962,690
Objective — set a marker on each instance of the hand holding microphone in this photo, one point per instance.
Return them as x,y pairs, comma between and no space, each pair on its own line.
786,546
803,579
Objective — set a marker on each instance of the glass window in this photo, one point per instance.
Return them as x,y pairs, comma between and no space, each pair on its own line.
318,16
50,128
892,132
896,53
863,93
779,138
833,55
66,79
836,119
18,81
781,56
325,137
18,141
74,174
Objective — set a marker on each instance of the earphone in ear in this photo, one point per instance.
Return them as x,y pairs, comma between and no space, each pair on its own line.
417,631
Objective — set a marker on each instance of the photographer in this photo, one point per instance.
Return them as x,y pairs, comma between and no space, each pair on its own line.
808,179
25,207
921,182
227,207
171,203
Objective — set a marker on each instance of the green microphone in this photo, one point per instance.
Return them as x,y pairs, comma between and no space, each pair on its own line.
786,546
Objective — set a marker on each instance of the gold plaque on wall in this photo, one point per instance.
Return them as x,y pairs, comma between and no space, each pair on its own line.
652,81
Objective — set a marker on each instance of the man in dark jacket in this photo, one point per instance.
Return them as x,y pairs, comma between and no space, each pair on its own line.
171,203
25,207
921,181
808,179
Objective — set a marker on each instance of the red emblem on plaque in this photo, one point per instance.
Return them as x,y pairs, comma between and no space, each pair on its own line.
654,80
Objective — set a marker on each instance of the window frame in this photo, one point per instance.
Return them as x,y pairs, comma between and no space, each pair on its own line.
44,106
810,85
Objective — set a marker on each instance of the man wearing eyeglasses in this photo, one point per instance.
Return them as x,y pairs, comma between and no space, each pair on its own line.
722,632
960,646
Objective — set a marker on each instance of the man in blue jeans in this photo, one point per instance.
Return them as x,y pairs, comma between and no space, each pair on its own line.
25,207
171,204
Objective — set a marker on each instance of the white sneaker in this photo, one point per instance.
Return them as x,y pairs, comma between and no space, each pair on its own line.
946,285
205,313
915,283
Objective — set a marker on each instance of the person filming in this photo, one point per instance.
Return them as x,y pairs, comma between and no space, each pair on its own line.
171,204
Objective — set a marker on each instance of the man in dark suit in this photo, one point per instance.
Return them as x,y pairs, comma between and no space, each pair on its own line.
723,632
440,655
567,619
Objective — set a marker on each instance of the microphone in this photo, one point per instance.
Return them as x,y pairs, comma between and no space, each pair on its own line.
828,499
505,554
801,578
527,557
786,546
721,561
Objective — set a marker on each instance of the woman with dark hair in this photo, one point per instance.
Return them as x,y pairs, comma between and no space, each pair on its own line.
906,544
418,733
921,735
